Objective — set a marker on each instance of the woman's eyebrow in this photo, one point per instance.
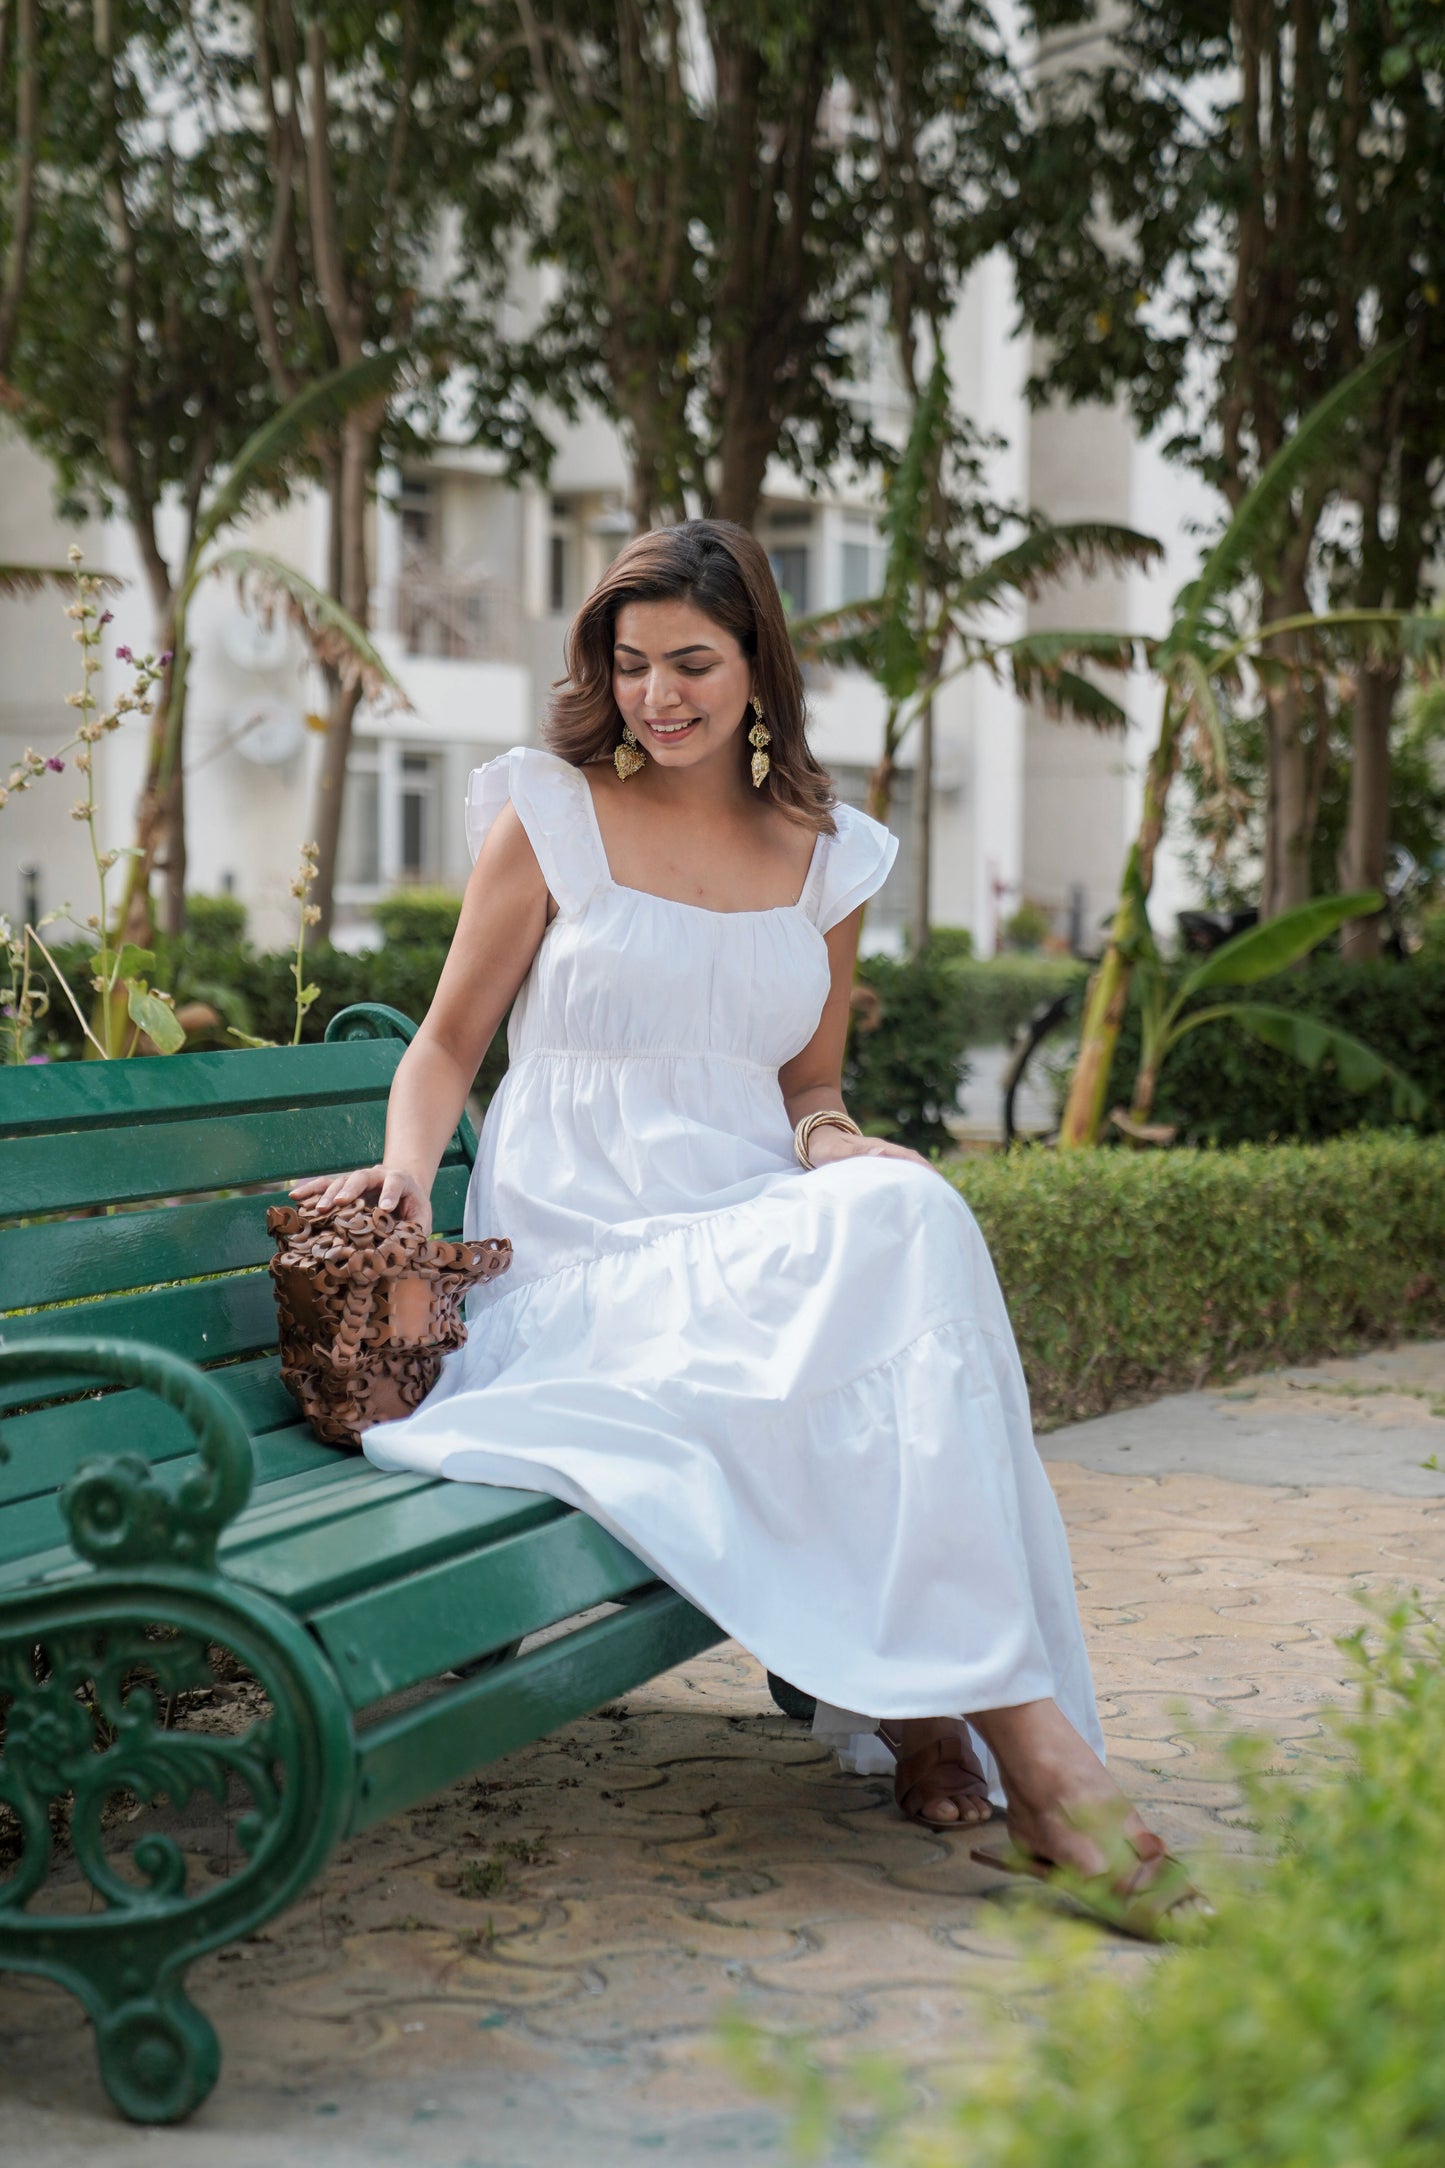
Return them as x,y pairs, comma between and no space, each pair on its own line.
674,654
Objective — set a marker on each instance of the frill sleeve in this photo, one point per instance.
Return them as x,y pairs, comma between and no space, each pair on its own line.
554,805
855,862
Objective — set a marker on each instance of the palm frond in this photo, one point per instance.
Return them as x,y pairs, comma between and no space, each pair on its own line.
1037,655
1049,553
1316,440
1376,636
1072,698
336,640
46,579
265,453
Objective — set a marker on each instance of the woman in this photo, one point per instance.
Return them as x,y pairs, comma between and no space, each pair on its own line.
767,1352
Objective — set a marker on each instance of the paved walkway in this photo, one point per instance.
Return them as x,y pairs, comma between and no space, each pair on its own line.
531,1971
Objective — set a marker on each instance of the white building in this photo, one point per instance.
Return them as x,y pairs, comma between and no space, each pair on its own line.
475,582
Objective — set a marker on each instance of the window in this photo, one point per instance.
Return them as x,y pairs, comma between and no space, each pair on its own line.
859,580
417,507
557,570
420,780
789,561
390,822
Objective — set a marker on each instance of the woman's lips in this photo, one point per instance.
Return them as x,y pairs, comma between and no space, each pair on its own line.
677,729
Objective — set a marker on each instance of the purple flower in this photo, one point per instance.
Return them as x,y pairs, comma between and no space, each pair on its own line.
106,616
164,657
123,654
56,767
33,1060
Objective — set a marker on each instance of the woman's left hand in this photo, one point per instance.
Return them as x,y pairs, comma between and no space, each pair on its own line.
828,1143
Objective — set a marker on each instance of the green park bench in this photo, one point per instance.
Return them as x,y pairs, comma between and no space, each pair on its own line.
160,1499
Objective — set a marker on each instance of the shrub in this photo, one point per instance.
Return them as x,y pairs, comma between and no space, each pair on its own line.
1221,1086
1000,994
426,915
950,944
217,922
905,1058
1130,1273
1028,928
1305,2030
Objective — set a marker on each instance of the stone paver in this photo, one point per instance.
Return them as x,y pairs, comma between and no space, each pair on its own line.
532,1969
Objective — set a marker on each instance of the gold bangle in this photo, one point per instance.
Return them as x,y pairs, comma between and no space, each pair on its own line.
825,1118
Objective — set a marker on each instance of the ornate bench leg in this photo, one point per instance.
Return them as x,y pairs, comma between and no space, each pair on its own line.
86,1670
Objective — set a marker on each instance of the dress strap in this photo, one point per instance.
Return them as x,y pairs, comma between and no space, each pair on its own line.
554,805
851,866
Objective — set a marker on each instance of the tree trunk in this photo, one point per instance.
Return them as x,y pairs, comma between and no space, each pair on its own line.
1288,828
175,827
357,454
1367,832
1108,995
920,928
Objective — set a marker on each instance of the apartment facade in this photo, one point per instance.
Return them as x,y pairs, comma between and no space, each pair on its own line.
475,581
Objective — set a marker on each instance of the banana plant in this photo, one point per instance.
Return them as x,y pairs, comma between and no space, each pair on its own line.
929,624
1168,1014
334,636
1200,660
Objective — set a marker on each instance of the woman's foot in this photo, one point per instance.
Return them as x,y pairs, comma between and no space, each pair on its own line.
938,1780
1065,1810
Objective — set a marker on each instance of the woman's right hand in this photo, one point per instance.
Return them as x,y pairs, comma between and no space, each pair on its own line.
392,1189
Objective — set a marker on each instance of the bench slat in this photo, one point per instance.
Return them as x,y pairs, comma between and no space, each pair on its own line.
319,1559
412,1755
35,1524
65,1260
40,1458
167,1159
192,1087
386,1639
207,1321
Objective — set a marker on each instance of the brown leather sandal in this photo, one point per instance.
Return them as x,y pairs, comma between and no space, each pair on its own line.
940,1769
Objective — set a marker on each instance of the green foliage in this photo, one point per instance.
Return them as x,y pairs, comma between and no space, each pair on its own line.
905,1058
951,944
1001,993
215,922
1132,1273
1305,2031
425,915
1028,928
1226,1088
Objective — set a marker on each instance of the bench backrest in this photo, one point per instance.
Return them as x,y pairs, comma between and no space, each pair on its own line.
133,1201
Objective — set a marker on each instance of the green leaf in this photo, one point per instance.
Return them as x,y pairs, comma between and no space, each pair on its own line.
155,1017
336,640
266,453
247,1038
1316,441
307,995
1309,1041
133,962
1279,943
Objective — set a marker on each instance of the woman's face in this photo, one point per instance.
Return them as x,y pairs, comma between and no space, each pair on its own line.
680,680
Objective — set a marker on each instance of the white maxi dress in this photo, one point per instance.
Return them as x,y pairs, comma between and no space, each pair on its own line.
794,1394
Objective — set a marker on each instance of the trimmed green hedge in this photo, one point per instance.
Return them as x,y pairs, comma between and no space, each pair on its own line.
1130,1273
1001,993
1222,1087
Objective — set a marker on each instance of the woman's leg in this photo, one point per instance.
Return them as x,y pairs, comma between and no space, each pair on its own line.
1059,1793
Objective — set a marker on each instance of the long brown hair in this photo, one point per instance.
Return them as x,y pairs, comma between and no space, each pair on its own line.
725,573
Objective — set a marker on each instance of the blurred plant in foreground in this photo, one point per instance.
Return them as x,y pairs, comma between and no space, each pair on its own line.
1306,2030
119,970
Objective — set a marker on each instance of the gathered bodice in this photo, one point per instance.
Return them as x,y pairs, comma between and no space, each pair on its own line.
646,1041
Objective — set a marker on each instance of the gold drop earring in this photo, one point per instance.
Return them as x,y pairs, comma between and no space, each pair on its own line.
628,757
759,738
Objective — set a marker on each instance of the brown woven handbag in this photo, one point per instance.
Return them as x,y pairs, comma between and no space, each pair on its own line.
368,1305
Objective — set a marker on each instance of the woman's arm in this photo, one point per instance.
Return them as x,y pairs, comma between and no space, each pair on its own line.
813,1079
503,918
